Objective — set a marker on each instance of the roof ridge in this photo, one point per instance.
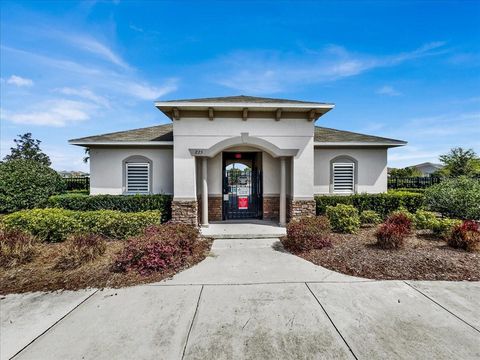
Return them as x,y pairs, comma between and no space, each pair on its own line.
357,133
123,131
235,98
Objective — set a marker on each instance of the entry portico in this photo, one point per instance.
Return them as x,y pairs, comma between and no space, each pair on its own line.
238,157
279,133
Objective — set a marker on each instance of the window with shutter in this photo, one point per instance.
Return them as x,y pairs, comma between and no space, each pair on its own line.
138,178
343,177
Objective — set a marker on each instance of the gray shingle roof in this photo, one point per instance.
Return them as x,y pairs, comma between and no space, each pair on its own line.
244,99
153,133
327,135
165,133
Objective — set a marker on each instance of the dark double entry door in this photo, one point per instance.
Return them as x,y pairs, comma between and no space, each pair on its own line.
242,185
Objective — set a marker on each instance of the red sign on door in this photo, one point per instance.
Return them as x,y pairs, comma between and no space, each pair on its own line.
243,202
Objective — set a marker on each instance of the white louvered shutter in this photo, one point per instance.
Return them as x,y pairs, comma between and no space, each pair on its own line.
138,178
343,177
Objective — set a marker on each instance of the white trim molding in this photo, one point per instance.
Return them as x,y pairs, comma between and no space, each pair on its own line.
167,105
244,139
357,143
121,143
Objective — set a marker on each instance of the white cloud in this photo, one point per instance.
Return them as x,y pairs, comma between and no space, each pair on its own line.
83,42
96,47
86,94
388,90
148,92
65,65
136,28
124,83
56,113
271,71
19,81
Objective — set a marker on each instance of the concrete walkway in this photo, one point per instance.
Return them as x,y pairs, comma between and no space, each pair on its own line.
248,229
248,301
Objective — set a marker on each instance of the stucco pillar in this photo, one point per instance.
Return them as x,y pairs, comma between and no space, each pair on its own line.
283,192
204,192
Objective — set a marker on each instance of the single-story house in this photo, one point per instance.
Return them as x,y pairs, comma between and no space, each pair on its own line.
427,168
238,157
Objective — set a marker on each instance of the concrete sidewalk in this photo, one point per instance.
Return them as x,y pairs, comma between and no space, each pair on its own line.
248,301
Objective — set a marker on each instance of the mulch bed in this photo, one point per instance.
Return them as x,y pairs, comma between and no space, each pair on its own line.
423,258
40,275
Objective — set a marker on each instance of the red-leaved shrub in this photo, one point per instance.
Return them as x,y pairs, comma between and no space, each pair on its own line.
161,247
308,233
16,247
393,232
401,220
80,249
465,236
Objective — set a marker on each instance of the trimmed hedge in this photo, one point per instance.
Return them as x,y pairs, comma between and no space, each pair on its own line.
383,204
54,225
125,203
412,190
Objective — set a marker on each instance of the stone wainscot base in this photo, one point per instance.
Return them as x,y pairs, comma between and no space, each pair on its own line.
185,212
299,208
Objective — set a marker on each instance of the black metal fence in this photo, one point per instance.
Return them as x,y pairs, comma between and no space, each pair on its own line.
77,183
421,182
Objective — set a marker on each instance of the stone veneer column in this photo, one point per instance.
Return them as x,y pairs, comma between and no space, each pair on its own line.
299,208
204,192
185,212
283,193
271,207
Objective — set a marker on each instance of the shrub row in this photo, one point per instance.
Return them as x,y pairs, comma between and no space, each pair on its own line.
126,203
410,190
55,225
427,220
383,204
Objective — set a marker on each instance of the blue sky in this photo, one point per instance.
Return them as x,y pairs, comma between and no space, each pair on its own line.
407,70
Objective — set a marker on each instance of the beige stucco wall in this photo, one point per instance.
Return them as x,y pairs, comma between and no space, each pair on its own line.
308,172
202,133
271,175
372,168
106,169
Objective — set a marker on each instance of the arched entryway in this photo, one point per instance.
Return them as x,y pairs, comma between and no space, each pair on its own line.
274,205
242,185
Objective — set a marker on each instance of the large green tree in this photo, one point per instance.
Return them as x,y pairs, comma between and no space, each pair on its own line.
459,162
27,148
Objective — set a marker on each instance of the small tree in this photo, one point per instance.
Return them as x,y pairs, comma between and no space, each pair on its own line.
26,184
28,149
460,162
